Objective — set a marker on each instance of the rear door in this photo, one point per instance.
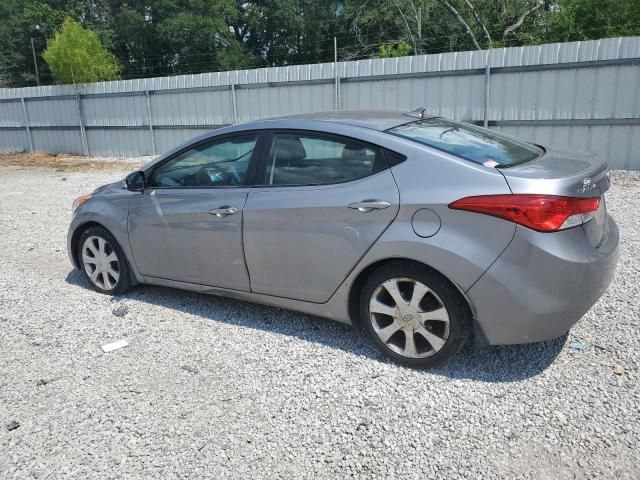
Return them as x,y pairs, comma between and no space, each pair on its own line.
320,202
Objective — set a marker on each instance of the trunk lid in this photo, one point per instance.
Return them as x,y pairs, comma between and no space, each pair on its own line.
563,172
568,173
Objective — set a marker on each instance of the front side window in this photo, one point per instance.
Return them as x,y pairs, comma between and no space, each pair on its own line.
308,159
221,163
471,143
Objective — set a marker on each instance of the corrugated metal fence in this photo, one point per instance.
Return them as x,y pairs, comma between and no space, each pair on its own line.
581,94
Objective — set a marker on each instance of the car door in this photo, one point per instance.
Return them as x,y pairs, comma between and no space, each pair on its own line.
187,224
319,203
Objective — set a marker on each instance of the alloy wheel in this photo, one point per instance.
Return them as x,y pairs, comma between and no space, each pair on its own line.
100,262
409,318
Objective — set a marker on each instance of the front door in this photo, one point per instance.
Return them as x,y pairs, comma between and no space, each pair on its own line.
324,200
187,225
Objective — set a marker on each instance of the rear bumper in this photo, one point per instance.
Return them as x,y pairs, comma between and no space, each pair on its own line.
542,285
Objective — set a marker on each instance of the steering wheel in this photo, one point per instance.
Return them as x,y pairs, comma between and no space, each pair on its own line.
236,178
204,176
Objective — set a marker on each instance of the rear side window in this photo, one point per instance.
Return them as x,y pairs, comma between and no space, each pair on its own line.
315,159
471,143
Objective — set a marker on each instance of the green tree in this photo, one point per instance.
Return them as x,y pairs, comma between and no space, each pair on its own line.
20,21
571,20
394,49
76,55
169,37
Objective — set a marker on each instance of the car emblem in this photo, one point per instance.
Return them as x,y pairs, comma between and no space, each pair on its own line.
587,186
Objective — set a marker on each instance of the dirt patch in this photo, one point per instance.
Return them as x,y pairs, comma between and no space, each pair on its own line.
63,162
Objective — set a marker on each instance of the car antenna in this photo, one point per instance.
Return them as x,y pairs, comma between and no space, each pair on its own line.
418,112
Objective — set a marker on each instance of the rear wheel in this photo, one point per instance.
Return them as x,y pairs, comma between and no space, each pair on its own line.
103,262
414,315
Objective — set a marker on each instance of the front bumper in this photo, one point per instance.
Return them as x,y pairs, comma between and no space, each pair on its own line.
70,252
542,284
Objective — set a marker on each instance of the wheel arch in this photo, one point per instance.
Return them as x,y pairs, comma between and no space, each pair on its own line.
357,284
75,238
74,242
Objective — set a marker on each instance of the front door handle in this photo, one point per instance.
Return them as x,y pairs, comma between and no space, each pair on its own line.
223,211
370,204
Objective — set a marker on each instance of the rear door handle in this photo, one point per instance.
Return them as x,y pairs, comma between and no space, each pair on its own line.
223,211
369,204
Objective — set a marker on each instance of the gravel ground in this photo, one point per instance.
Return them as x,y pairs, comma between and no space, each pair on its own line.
223,388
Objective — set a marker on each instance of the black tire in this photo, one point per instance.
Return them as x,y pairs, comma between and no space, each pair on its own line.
123,283
447,296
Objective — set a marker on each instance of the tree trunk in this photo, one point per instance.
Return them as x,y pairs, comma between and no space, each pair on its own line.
406,22
461,21
480,22
518,23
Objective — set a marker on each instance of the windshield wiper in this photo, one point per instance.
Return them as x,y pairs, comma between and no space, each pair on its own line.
452,129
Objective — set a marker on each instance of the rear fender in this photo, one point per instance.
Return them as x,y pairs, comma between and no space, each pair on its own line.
464,245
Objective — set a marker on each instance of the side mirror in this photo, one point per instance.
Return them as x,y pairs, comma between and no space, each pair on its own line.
135,181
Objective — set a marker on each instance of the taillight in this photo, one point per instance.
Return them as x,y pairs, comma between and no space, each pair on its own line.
545,213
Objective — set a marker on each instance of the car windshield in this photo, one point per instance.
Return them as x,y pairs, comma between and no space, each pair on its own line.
471,143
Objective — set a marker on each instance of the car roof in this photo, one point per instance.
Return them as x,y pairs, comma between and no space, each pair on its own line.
374,119
340,120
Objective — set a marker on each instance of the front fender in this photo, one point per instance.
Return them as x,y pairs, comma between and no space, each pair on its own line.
111,213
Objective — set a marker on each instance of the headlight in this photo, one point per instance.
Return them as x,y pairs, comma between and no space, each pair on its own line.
79,201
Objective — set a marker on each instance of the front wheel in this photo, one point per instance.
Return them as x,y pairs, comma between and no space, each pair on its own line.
414,315
103,262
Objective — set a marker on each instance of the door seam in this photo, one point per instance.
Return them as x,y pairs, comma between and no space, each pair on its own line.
515,229
244,254
373,243
133,256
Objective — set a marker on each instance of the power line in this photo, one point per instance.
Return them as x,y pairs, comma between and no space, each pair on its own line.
254,65
268,54
356,51
327,40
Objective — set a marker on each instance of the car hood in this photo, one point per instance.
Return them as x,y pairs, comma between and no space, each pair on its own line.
109,188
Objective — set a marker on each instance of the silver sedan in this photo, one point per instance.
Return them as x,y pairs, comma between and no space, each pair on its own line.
423,231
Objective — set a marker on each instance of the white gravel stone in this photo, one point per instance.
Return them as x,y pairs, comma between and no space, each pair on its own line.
280,394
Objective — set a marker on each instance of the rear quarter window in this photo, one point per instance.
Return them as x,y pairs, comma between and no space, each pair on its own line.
471,143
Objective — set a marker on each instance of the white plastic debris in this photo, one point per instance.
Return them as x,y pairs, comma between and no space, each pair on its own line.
110,347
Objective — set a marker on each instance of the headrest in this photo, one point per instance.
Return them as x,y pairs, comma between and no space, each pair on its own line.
353,153
290,149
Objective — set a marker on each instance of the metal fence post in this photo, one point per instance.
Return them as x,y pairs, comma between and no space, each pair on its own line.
234,105
83,133
150,122
337,91
487,91
26,124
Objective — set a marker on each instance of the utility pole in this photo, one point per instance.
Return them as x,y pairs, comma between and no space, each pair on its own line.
420,28
335,69
35,62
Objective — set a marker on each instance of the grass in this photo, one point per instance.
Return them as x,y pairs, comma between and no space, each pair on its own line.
65,162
